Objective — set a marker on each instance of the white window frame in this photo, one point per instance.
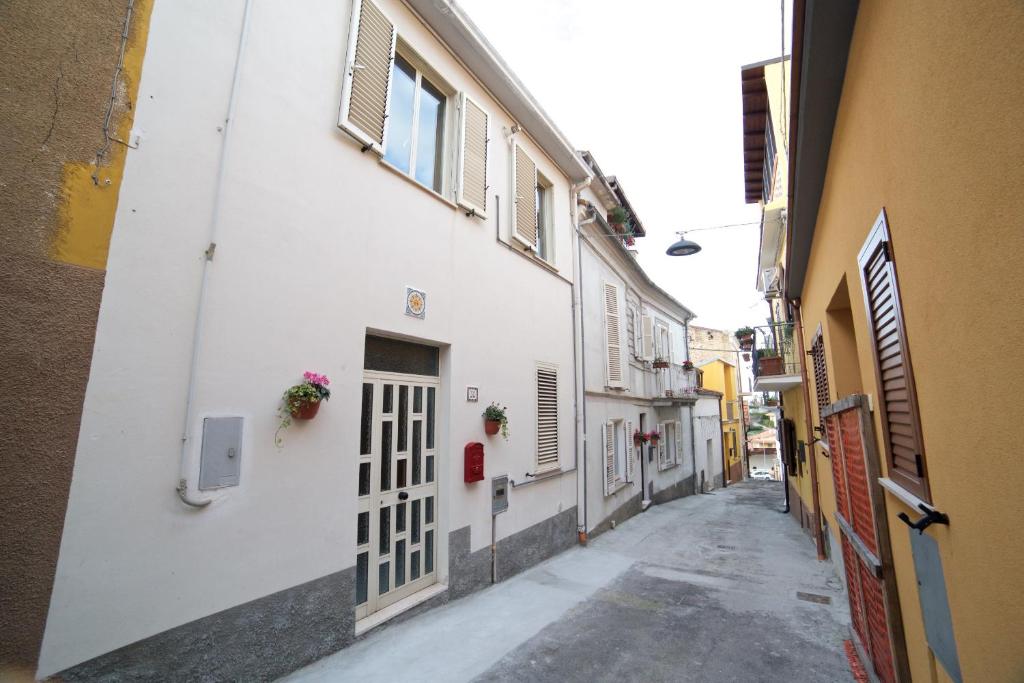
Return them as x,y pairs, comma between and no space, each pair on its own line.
545,188
424,70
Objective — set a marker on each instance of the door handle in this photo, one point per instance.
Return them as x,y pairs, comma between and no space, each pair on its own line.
403,495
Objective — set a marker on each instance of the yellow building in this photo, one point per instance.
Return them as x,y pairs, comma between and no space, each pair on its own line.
720,375
901,276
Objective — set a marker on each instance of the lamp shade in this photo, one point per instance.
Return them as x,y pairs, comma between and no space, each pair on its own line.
683,247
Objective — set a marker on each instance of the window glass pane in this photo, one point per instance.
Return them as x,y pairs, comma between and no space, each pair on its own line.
417,455
414,565
403,417
399,563
430,468
542,242
385,456
402,468
417,399
362,571
400,518
383,581
385,531
428,510
364,479
403,89
430,137
363,529
428,553
415,533
367,416
389,393
430,417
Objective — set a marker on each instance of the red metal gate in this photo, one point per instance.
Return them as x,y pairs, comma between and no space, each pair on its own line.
864,535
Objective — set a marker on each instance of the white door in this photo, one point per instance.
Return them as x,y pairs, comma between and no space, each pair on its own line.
396,542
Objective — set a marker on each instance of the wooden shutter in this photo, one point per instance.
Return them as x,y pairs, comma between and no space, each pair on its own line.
897,400
630,450
524,194
661,446
547,419
679,442
613,336
367,87
609,457
648,338
820,374
474,131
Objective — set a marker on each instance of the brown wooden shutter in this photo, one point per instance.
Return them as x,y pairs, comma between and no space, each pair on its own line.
897,400
820,374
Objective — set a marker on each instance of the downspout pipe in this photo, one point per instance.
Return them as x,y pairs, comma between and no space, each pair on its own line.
721,429
197,330
580,385
693,420
819,539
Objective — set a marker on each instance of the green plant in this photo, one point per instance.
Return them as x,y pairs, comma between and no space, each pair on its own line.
744,332
497,413
312,389
766,353
618,216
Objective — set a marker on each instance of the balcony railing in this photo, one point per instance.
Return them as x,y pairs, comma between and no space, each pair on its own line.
775,351
675,382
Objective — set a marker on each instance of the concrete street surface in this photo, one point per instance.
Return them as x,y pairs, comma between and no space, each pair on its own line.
704,588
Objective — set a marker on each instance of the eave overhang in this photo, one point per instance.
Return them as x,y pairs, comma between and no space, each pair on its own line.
452,25
822,32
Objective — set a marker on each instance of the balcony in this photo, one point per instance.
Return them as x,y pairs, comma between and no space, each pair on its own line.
776,362
675,384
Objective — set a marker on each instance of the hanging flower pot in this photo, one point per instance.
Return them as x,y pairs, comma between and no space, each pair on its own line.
660,363
306,410
639,438
302,401
655,438
495,420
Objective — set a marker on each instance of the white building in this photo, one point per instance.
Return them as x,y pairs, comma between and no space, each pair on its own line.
628,323
361,189
293,242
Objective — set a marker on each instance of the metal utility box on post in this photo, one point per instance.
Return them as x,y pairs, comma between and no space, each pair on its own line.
499,494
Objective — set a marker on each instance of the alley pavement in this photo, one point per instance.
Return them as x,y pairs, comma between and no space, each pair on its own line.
717,587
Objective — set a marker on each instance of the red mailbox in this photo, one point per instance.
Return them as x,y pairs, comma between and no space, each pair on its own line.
474,462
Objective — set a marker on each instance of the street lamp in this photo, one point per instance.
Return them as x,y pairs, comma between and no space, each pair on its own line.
683,247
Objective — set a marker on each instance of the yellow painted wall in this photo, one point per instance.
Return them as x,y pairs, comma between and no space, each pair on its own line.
929,127
721,377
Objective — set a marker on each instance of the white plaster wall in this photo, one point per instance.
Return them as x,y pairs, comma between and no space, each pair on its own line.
707,425
316,244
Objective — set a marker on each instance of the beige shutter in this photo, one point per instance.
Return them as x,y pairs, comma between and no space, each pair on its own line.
608,437
524,194
613,336
472,185
367,87
679,442
547,419
638,334
630,450
648,332
661,446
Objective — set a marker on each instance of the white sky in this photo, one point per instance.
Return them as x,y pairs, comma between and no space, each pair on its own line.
652,89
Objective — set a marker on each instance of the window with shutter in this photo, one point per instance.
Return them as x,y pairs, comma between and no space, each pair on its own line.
679,443
629,449
631,329
897,400
820,373
366,90
662,447
608,438
474,130
648,338
547,418
613,345
524,192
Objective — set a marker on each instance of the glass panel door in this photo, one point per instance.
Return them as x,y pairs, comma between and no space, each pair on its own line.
397,510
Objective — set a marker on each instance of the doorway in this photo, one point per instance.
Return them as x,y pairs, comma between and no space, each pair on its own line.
397,512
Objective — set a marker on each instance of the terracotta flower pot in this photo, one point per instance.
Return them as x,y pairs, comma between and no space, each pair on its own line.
637,442
306,410
491,427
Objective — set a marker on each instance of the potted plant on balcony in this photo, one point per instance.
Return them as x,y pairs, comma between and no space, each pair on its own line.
302,401
687,364
654,438
617,219
660,362
640,438
495,420
769,362
745,336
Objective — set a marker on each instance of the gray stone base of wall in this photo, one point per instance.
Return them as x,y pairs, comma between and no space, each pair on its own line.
274,635
258,640
631,507
677,490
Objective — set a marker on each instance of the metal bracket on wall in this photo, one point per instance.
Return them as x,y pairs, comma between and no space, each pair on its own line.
931,516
